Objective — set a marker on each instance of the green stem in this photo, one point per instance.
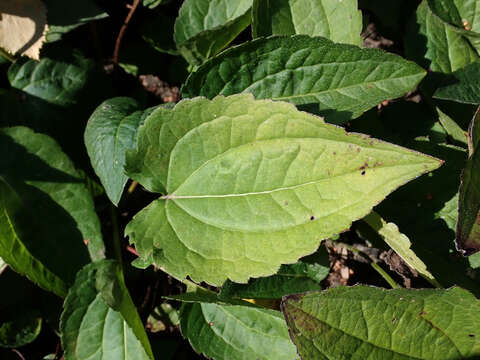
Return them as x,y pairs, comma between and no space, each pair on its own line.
373,264
117,241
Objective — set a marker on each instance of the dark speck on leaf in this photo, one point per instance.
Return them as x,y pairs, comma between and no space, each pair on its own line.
312,217
422,313
286,203
471,335
363,172
210,323
334,153
393,320
358,149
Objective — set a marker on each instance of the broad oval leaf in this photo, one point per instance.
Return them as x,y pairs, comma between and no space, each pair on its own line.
306,70
48,213
99,320
235,330
339,21
366,322
204,27
256,185
111,130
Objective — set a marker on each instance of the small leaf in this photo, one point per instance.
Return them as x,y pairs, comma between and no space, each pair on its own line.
21,331
305,70
468,225
238,330
466,88
399,243
99,317
64,16
339,21
48,215
303,276
452,128
204,27
110,132
366,322
23,24
436,44
254,184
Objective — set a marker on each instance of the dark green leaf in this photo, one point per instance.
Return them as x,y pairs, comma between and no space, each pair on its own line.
290,279
48,214
466,88
436,44
64,16
100,319
366,322
110,132
468,225
339,21
205,27
305,70
20,331
237,330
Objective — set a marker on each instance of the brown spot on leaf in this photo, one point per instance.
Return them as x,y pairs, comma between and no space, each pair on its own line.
358,149
286,203
210,323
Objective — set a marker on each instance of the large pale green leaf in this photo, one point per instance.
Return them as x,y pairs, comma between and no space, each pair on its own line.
303,276
204,27
305,70
339,21
229,331
366,322
465,89
47,212
253,184
99,320
468,225
437,44
399,242
111,130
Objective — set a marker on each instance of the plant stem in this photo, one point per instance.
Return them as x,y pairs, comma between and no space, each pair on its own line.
133,7
117,246
373,264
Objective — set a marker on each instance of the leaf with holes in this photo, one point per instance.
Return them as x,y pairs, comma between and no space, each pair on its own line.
306,70
339,21
99,317
253,184
366,322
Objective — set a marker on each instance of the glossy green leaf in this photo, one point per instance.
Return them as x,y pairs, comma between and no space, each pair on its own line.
48,215
437,44
254,184
110,132
366,322
204,27
20,331
99,320
468,225
230,331
465,89
305,70
305,275
399,243
339,21
64,16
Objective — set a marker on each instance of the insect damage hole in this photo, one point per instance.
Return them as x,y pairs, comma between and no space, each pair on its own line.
312,218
